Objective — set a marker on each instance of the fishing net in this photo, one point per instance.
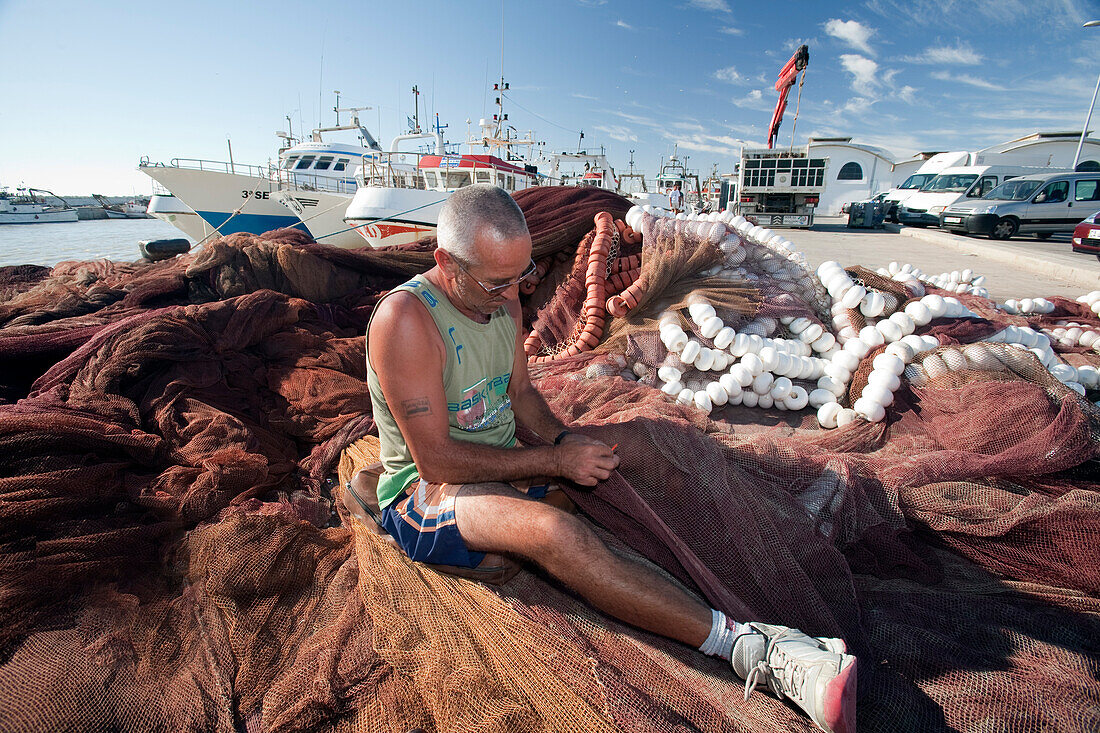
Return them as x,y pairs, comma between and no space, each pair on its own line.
173,559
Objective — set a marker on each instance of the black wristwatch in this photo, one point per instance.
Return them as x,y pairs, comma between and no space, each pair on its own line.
561,437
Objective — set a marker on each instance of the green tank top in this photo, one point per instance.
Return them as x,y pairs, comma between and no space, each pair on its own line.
476,374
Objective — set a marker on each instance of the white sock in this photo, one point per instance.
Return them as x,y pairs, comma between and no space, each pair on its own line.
723,632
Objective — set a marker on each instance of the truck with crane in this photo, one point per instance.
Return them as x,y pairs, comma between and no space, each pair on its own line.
782,187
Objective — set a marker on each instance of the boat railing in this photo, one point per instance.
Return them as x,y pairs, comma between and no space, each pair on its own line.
222,166
392,170
312,182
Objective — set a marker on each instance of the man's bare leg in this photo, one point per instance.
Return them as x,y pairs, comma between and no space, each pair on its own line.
497,518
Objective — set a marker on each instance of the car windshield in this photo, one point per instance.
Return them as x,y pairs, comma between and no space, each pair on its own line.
951,182
1016,189
917,180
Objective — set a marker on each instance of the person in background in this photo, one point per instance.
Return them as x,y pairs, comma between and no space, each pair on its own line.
676,199
448,382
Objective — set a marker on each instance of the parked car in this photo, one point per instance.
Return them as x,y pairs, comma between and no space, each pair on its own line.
1086,236
1041,205
957,184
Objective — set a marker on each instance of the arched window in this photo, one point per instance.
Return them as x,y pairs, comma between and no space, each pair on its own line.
850,172
1087,165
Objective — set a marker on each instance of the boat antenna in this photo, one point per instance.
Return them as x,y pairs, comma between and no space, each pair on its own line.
416,109
336,109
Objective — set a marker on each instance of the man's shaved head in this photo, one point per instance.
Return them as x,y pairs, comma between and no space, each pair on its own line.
473,209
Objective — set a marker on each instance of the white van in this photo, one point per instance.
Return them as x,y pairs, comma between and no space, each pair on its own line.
958,184
918,180
1039,205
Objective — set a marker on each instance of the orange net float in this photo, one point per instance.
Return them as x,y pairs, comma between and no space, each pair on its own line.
630,262
590,327
620,281
630,236
528,286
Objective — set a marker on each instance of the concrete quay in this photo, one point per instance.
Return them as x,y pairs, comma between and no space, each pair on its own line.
1018,268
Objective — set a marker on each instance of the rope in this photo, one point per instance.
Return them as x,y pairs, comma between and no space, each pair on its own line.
797,104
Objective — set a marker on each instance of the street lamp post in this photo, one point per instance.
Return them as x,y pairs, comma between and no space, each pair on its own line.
1088,117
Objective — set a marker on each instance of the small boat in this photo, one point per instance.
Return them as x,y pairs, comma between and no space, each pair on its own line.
134,209
26,206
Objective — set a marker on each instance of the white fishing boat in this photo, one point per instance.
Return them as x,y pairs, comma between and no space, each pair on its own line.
400,194
324,211
27,206
399,201
676,171
232,197
133,209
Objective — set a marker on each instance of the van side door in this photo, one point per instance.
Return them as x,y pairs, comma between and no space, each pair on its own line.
1050,210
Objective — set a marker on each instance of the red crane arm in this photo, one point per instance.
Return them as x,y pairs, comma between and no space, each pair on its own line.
783,84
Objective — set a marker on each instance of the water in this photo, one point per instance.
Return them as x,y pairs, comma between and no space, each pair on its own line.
48,244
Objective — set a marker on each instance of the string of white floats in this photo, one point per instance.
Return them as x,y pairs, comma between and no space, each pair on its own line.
755,369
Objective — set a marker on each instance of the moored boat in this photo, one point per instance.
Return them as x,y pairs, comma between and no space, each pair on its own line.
27,206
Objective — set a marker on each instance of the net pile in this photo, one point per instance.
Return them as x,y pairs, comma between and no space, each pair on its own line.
172,559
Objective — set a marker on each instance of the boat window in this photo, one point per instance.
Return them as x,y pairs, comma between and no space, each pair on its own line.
323,163
1087,166
457,179
341,164
850,172
500,180
305,162
1087,191
290,162
431,178
484,176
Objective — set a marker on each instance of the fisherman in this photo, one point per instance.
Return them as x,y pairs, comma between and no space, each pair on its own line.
676,199
448,381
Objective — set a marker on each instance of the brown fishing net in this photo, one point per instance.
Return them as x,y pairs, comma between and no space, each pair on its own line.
170,558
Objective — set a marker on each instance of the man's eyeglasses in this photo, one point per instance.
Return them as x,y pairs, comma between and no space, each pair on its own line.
496,289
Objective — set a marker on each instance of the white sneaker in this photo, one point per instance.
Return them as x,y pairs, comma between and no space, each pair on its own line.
815,673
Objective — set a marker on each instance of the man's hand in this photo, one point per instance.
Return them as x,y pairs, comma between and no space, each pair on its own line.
584,460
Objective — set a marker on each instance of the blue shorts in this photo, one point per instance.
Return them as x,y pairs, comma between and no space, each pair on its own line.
422,520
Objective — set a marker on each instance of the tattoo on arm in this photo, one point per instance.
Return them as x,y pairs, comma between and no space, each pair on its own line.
416,407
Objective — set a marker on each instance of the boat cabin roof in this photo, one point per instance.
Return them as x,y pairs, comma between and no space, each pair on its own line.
453,162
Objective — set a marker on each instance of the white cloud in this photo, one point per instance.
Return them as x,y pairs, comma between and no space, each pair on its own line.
753,100
957,54
864,72
906,93
731,31
857,106
585,96
967,79
729,74
624,24
715,5
852,32
618,132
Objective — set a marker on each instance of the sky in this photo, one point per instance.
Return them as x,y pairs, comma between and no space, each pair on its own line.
90,88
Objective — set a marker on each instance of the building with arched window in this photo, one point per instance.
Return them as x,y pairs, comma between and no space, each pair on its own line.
856,172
